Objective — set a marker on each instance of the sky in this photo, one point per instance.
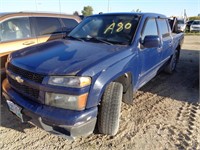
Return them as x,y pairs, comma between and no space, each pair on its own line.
166,7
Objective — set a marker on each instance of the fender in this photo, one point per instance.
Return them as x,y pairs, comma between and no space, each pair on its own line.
108,75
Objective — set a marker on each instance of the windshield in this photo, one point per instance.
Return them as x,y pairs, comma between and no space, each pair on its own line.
180,21
196,23
115,29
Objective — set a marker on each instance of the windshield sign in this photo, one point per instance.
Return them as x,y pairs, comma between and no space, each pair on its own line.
115,29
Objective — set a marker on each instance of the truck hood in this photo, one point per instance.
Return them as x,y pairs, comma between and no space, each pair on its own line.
63,57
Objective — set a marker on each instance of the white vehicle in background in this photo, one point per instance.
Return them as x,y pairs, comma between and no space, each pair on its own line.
181,25
195,26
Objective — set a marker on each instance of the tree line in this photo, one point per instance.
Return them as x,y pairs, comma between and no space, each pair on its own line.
88,10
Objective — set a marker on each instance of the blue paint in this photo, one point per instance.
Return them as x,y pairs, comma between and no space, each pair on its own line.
100,61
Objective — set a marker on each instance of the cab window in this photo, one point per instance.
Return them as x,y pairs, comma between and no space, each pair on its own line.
163,27
150,28
14,29
47,25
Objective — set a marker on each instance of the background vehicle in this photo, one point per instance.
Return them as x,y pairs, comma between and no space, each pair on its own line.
181,25
173,24
188,24
23,29
105,60
195,26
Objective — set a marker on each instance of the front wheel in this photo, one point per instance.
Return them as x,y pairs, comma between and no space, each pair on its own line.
171,66
110,109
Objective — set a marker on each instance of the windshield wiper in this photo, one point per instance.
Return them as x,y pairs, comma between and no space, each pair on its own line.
117,42
109,42
99,40
74,38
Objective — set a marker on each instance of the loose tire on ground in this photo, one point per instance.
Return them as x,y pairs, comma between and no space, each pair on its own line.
110,108
171,66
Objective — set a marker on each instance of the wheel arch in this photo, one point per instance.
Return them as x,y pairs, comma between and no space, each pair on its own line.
116,72
125,78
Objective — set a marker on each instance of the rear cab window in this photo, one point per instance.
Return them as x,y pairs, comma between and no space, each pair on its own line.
15,29
163,28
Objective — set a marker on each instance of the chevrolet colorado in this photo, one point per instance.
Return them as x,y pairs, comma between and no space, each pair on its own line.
69,86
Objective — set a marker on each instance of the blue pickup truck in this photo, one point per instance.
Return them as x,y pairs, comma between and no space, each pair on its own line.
69,86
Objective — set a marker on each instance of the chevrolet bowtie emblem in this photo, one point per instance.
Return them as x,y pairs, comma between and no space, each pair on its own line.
19,79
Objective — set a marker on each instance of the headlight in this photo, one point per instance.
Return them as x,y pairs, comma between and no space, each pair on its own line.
69,81
66,101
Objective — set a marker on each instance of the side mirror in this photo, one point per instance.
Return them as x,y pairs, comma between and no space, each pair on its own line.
151,41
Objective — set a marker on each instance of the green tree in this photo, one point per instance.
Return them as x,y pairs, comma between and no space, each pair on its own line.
76,13
194,18
87,11
137,10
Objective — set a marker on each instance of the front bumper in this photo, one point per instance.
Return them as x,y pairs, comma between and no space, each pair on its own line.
67,123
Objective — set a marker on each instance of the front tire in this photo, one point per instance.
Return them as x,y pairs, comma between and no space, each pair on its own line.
110,109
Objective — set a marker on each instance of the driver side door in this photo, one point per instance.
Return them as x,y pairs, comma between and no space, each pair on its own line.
150,57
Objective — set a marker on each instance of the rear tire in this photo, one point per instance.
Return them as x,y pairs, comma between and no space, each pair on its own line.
171,66
110,108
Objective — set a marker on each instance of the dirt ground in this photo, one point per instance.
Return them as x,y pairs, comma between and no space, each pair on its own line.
165,115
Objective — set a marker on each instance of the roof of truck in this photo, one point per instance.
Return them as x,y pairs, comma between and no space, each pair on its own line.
145,14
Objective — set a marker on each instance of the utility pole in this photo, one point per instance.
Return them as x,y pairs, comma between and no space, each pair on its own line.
36,5
59,6
185,16
1,7
108,5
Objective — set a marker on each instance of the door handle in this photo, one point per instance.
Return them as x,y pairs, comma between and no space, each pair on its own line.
28,43
159,49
